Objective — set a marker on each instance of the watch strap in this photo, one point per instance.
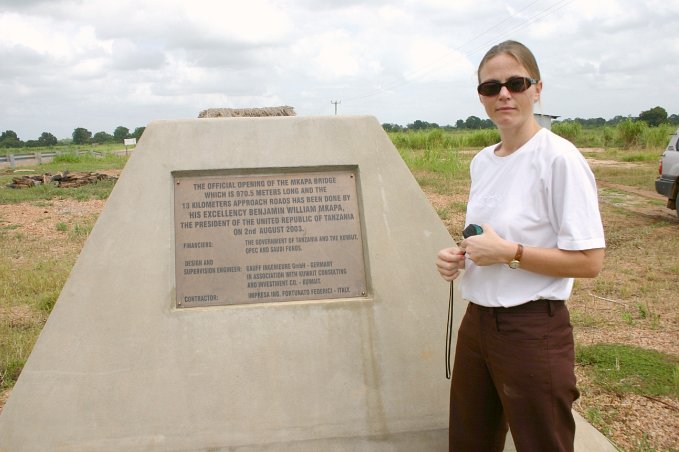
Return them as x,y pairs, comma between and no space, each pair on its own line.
519,253
516,262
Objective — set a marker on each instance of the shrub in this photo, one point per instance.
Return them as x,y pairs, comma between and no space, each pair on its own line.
631,132
569,130
657,137
66,157
482,138
609,137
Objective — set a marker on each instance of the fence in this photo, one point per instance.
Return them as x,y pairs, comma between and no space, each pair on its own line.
41,157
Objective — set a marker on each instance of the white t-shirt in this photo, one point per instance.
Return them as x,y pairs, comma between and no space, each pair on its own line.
542,195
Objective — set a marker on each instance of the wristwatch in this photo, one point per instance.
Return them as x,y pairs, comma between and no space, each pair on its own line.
516,262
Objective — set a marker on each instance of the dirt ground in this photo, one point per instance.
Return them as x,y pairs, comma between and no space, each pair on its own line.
658,418
41,220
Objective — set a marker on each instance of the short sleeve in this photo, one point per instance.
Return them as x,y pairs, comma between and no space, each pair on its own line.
574,209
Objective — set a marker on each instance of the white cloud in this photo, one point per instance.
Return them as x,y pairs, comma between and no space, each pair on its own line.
128,55
33,33
89,68
254,21
333,55
428,60
392,16
598,10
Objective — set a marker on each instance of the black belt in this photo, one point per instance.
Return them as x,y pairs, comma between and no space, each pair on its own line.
548,306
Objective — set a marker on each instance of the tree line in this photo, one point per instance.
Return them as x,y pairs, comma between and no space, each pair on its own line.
80,135
653,117
9,139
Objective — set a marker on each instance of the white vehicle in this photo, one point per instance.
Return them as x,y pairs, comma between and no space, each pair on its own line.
667,183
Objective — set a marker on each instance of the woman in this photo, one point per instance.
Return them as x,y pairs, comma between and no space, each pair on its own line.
536,200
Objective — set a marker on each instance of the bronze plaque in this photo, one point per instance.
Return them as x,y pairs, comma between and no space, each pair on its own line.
254,238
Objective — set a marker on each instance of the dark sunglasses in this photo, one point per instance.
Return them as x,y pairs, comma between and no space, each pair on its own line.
514,85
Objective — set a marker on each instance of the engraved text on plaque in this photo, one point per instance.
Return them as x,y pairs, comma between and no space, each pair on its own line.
253,238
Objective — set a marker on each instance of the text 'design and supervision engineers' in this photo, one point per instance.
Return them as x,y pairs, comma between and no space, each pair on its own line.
253,238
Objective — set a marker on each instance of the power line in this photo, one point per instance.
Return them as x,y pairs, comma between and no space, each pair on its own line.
414,75
435,65
531,20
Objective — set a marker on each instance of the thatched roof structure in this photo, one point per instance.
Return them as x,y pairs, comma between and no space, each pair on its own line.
247,112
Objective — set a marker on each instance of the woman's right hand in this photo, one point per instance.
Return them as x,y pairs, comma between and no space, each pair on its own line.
449,262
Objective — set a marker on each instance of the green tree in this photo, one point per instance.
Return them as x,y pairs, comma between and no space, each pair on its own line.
81,136
473,122
9,139
616,120
654,117
47,139
422,125
459,124
140,130
389,127
102,137
121,133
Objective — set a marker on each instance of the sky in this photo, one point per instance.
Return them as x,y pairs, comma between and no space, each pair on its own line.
100,64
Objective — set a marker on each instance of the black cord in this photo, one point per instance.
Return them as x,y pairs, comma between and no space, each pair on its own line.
449,331
470,230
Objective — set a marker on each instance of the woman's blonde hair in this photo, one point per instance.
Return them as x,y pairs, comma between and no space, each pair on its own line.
516,50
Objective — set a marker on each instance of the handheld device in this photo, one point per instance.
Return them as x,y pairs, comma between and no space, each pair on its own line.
472,229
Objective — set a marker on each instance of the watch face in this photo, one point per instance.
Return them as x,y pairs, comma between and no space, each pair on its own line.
514,264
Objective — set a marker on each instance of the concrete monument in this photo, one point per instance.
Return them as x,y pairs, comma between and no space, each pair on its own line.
160,342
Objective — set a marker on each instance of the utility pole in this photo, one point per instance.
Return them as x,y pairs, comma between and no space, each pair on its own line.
335,102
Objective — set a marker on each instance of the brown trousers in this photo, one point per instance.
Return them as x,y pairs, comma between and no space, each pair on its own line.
514,368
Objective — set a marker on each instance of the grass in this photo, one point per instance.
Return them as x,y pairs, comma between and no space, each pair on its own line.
623,368
29,286
637,176
633,297
441,165
100,190
105,148
448,164
30,276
